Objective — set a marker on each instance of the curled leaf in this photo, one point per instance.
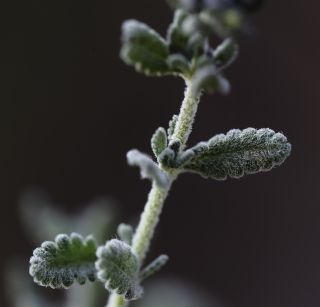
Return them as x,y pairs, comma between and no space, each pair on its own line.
144,48
209,79
148,168
238,153
58,264
118,267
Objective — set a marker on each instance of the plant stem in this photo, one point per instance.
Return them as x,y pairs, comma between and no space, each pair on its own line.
157,196
149,220
116,300
187,115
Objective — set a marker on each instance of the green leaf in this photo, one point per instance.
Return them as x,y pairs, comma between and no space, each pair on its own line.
224,23
209,79
238,153
58,264
154,267
125,233
148,168
179,63
159,141
118,267
226,53
186,36
177,38
144,48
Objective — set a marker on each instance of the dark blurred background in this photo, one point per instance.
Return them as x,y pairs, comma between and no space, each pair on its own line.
70,110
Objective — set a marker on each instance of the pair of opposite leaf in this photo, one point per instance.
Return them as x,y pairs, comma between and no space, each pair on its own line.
73,258
186,52
235,154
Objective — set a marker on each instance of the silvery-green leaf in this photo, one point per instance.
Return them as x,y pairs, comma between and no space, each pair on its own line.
148,168
144,48
153,267
118,268
58,264
239,153
159,141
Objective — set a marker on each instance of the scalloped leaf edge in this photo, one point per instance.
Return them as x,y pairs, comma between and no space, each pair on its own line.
52,265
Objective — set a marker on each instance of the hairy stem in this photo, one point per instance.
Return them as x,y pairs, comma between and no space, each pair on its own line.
187,115
157,196
149,220
116,300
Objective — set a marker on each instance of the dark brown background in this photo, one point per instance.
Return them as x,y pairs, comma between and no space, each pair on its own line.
70,110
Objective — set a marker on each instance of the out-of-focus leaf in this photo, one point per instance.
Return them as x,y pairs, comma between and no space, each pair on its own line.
20,289
125,233
226,53
153,267
98,218
144,48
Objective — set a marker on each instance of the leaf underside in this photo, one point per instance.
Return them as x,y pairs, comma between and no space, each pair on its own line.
58,264
148,168
238,153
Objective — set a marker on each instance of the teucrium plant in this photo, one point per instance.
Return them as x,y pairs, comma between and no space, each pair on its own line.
186,52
